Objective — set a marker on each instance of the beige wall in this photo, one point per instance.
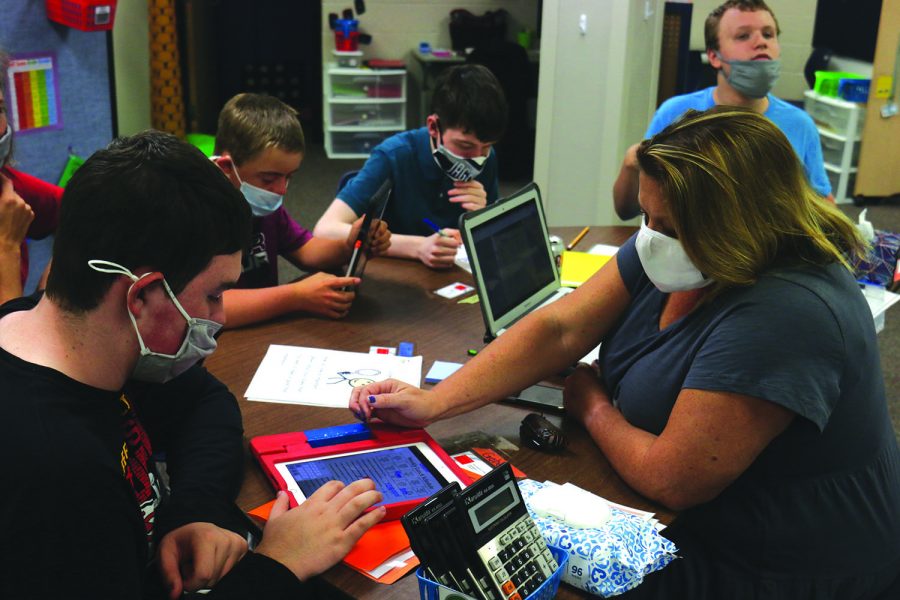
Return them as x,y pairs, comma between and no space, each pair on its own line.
397,26
796,19
596,94
131,53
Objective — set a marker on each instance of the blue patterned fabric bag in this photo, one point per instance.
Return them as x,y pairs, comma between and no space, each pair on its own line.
881,262
609,560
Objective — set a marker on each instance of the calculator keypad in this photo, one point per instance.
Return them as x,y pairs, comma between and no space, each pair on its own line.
518,559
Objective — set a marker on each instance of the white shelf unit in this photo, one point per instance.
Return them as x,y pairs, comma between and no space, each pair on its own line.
840,125
363,107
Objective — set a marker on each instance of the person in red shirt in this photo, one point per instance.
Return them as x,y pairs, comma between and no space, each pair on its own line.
29,207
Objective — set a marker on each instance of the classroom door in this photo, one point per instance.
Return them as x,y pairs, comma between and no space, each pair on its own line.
879,161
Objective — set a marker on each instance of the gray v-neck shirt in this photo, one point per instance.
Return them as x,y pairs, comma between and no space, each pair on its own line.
823,499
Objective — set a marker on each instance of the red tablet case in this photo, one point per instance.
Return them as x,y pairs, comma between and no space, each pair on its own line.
270,450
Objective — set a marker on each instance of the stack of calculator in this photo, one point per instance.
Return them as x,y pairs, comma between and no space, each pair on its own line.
481,540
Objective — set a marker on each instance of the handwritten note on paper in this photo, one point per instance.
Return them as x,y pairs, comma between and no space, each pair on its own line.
318,377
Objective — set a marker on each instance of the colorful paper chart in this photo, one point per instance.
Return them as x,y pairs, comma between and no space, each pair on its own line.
33,102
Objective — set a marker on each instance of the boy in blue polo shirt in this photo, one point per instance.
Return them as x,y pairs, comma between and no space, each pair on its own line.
439,171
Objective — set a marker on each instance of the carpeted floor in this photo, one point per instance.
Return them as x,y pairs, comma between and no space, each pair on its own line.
313,189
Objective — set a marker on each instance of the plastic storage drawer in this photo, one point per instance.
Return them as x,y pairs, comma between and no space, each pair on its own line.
833,150
357,142
834,178
369,115
832,115
366,86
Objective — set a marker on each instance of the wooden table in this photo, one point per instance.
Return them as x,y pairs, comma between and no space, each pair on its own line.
396,303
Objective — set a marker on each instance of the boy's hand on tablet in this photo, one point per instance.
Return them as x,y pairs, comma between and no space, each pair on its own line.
379,238
314,536
323,294
354,232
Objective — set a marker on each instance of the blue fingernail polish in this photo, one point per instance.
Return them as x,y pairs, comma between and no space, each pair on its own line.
371,399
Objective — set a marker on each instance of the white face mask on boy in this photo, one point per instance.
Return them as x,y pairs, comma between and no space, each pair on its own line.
156,367
262,202
666,263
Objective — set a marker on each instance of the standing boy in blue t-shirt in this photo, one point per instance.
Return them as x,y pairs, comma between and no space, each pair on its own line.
742,45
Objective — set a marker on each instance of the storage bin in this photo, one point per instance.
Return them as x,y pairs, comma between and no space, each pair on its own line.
349,60
84,15
367,86
431,590
205,142
834,114
369,115
833,150
362,107
835,178
828,82
357,142
384,89
854,90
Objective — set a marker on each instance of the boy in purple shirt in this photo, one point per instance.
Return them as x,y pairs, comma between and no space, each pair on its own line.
259,147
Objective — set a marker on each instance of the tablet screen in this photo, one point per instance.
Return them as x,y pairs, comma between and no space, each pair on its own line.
400,473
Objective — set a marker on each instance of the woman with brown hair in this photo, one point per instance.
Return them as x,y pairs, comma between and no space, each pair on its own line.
738,380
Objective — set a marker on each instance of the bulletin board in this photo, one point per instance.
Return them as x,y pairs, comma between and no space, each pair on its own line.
79,74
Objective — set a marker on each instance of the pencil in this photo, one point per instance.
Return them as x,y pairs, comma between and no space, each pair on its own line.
577,238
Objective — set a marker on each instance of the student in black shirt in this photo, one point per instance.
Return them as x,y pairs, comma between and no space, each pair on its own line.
102,371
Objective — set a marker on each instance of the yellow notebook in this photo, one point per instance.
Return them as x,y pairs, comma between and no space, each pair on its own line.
577,267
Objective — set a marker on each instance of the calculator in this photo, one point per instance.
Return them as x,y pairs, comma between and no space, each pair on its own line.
504,536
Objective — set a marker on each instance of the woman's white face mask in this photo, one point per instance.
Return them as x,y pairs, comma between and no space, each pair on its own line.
666,263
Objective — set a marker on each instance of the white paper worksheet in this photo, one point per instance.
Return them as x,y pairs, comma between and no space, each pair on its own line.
318,377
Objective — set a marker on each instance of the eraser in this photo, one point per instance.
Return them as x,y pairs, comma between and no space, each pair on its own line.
405,349
383,350
341,434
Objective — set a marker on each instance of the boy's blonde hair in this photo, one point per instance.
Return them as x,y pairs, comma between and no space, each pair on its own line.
250,123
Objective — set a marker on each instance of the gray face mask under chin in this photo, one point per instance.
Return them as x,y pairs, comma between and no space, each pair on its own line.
752,78
156,367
